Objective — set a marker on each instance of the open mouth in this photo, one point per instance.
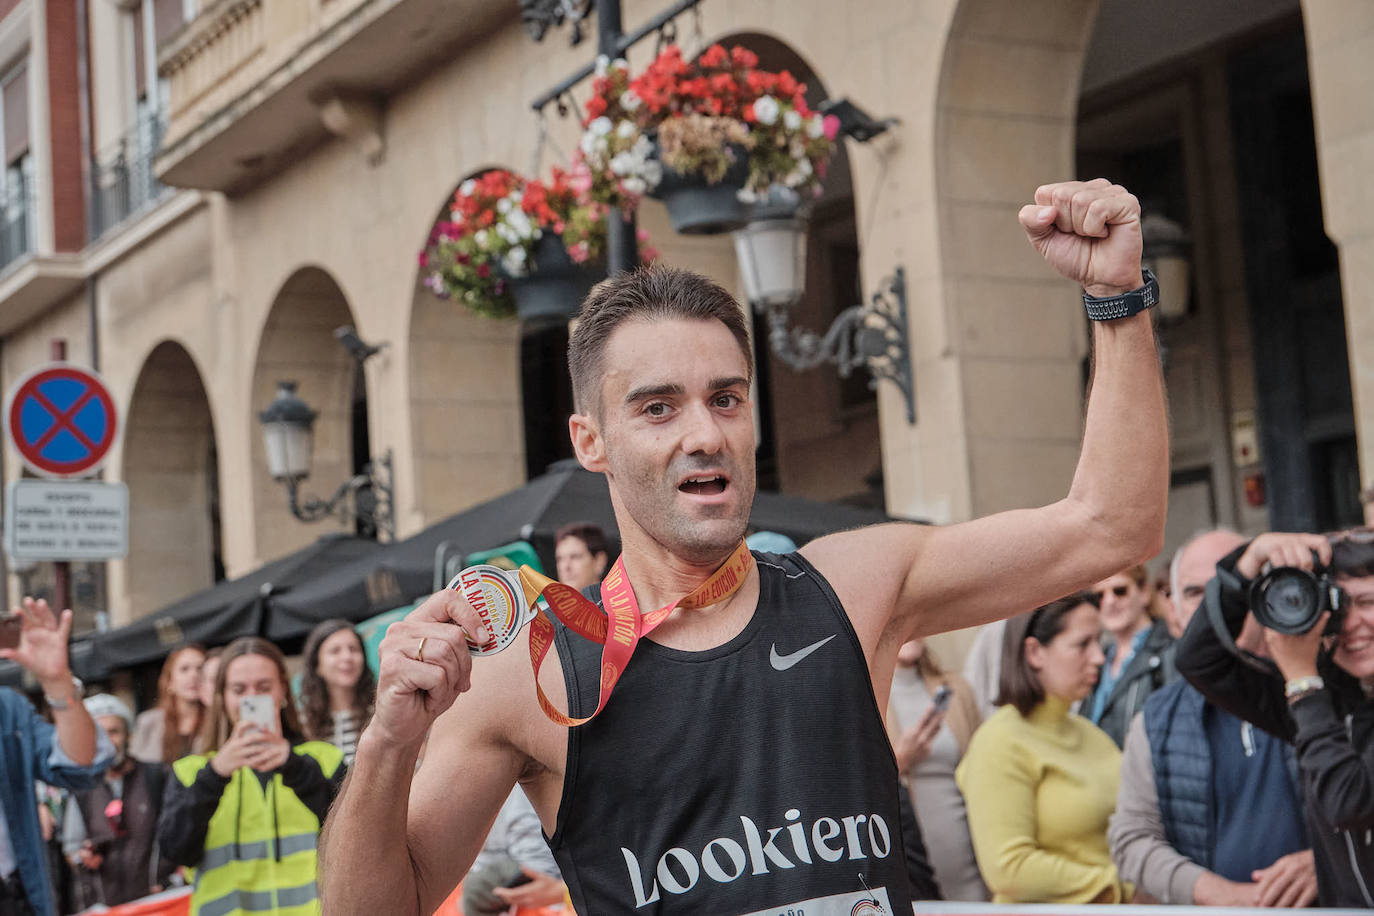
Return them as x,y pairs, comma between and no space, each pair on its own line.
704,485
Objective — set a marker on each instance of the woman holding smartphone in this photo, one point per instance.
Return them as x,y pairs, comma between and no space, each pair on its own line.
930,718
246,814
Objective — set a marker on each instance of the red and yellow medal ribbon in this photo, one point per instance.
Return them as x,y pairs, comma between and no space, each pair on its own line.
621,626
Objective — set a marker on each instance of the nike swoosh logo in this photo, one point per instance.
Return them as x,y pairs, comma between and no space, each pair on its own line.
783,662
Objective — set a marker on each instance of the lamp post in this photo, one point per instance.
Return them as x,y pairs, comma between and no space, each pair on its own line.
288,434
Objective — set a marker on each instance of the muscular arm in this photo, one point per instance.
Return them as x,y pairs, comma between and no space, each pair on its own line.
921,580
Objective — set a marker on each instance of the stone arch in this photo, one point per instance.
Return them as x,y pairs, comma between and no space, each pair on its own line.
465,395
297,343
171,466
1006,104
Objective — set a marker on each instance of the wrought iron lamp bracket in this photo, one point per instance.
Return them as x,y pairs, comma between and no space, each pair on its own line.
873,335
366,497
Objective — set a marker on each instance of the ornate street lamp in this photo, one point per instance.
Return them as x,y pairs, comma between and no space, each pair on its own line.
288,434
771,250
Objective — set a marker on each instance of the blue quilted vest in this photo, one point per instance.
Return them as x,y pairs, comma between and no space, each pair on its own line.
1183,769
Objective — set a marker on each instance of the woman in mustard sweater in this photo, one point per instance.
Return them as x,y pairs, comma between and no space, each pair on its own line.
1039,781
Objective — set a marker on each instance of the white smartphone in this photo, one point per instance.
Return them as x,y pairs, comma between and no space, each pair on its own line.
259,710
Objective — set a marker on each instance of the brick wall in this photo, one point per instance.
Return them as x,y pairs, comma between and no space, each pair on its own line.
64,113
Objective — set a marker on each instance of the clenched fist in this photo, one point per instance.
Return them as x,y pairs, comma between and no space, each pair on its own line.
1089,231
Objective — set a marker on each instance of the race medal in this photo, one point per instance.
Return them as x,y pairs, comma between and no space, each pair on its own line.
496,595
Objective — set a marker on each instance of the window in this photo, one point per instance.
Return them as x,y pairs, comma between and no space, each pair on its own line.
16,180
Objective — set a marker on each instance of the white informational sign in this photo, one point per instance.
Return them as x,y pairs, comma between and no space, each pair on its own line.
66,520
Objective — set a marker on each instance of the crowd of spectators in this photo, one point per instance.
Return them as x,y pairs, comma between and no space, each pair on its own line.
1072,763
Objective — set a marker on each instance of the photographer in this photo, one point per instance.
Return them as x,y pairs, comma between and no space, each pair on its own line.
1318,698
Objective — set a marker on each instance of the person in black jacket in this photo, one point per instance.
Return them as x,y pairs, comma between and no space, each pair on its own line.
1319,697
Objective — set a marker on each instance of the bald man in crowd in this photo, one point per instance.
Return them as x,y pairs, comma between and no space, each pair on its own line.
1188,828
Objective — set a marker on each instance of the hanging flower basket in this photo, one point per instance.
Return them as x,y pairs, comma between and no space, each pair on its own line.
552,290
698,206
708,137
512,247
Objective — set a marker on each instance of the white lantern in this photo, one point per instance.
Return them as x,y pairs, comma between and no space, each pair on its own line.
772,260
1165,250
287,429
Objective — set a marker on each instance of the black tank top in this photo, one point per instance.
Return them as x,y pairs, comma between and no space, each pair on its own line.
755,777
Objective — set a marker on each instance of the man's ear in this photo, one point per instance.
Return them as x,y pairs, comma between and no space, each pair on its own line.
587,443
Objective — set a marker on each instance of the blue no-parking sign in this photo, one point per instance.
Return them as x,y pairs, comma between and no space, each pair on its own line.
61,420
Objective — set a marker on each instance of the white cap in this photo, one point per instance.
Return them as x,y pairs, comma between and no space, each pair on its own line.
104,704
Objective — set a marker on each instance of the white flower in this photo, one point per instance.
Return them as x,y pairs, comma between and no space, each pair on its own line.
481,237
588,144
804,166
517,195
520,222
793,179
514,261
503,205
766,110
634,185
815,128
792,119
625,129
652,173
601,126
507,233
642,148
623,164
620,63
630,100
467,187
603,63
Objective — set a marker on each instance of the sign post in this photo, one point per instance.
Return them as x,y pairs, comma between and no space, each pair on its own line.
63,422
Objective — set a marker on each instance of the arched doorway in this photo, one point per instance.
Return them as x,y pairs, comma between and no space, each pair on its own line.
468,413
298,344
171,467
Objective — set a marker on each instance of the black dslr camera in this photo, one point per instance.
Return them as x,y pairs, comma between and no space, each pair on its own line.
1288,599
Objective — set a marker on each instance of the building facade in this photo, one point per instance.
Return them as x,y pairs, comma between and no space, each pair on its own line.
198,193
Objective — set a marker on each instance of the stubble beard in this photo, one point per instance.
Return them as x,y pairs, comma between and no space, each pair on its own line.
700,540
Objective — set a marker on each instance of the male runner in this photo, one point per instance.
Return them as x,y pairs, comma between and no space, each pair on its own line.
741,765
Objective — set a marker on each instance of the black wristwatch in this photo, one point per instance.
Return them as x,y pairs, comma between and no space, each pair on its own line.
1109,308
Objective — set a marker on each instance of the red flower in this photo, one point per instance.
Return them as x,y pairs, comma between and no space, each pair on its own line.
743,57
714,56
596,107
484,270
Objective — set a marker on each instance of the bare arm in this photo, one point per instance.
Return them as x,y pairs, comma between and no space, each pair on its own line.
926,580
43,651
415,841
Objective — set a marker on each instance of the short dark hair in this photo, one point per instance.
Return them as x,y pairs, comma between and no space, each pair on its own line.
1352,553
1018,684
587,533
654,291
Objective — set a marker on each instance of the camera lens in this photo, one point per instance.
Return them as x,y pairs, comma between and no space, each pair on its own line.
1288,600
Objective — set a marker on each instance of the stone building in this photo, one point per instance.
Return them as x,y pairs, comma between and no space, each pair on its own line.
198,192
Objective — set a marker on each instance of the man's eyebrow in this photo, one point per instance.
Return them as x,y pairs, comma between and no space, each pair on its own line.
644,392
734,381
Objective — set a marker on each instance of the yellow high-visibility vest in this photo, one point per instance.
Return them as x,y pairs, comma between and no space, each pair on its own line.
260,848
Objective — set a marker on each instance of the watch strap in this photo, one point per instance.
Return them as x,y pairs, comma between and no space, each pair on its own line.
1110,308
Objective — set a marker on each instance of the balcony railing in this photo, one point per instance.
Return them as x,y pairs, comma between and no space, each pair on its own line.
122,177
18,216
